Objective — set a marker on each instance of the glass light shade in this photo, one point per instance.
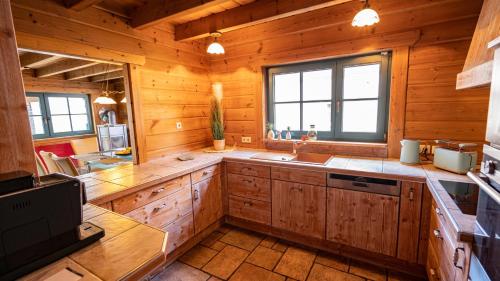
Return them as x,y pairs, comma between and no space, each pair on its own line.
124,100
365,17
104,100
215,48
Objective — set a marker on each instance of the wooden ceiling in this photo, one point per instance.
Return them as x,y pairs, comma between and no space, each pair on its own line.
195,19
41,65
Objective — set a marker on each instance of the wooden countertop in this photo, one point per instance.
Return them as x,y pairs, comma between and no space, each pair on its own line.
128,251
114,183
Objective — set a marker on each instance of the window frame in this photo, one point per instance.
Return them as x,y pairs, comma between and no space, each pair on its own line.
47,116
336,65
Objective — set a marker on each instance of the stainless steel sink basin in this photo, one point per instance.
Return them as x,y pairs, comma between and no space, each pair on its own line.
306,158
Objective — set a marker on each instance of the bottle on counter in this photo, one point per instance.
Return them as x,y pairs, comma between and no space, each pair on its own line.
312,134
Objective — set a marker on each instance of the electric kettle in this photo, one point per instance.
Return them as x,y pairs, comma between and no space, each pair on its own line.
410,152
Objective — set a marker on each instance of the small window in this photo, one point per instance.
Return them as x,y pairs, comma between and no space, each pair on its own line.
57,115
345,99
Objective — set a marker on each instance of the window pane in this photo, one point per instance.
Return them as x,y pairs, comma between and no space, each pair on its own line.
318,114
77,105
58,105
287,87
34,105
61,123
361,81
317,85
287,115
36,123
80,122
360,116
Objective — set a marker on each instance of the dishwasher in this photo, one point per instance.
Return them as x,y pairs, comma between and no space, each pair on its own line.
363,212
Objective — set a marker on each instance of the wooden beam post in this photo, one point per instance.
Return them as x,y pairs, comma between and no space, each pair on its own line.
16,143
107,76
159,10
257,12
66,65
91,71
135,119
79,5
34,60
397,103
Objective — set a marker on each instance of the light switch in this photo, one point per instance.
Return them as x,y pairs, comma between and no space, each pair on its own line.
246,139
178,125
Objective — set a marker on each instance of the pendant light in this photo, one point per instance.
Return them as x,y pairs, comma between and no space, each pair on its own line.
124,100
215,48
104,97
365,17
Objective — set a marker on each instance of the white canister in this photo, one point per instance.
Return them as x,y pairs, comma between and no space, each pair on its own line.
410,152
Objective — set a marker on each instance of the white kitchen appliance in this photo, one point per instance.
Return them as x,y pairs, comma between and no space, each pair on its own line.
410,152
455,157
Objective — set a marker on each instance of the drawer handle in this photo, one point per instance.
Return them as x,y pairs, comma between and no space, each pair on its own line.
205,173
437,233
456,257
162,206
247,204
246,180
196,194
411,194
438,211
298,188
158,191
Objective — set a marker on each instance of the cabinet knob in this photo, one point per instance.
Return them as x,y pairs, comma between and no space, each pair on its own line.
156,209
196,194
437,233
411,194
456,257
247,204
438,211
205,173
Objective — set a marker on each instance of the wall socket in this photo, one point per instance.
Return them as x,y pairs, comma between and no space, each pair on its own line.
178,125
246,139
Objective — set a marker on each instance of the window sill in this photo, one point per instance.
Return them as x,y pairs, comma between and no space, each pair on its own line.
362,149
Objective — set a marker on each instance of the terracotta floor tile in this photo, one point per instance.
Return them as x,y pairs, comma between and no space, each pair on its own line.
242,239
368,271
324,273
249,272
264,257
226,262
198,256
213,278
268,242
280,246
290,279
212,238
218,246
296,263
336,262
181,272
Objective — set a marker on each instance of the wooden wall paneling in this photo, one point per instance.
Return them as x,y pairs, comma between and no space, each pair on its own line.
16,145
397,102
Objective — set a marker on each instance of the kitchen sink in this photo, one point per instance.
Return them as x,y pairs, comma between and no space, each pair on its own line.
306,158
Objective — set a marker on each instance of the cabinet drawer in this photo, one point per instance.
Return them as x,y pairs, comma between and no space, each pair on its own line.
252,210
205,173
432,265
249,187
145,196
248,169
165,210
440,241
179,231
298,175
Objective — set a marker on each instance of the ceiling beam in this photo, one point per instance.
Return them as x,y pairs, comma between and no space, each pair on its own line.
155,11
62,67
35,60
257,12
109,76
79,5
91,71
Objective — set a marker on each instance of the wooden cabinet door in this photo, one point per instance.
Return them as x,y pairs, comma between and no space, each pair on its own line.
299,208
207,202
363,220
409,221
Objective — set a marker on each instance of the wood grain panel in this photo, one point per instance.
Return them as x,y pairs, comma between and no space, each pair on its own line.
249,209
249,187
363,220
297,175
207,202
205,173
248,169
179,231
409,221
299,208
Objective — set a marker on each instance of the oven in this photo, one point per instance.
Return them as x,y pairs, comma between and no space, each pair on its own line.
485,261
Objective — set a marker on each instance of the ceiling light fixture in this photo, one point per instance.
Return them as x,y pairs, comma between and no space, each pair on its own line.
215,48
365,17
104,97
124,100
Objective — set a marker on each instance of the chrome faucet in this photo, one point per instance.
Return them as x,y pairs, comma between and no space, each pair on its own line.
297,144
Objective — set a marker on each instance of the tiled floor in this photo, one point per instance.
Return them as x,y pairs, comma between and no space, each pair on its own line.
238,255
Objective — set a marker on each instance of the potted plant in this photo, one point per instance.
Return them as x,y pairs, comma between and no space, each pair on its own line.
217,125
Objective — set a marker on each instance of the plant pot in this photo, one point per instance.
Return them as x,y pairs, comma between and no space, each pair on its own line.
219,144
